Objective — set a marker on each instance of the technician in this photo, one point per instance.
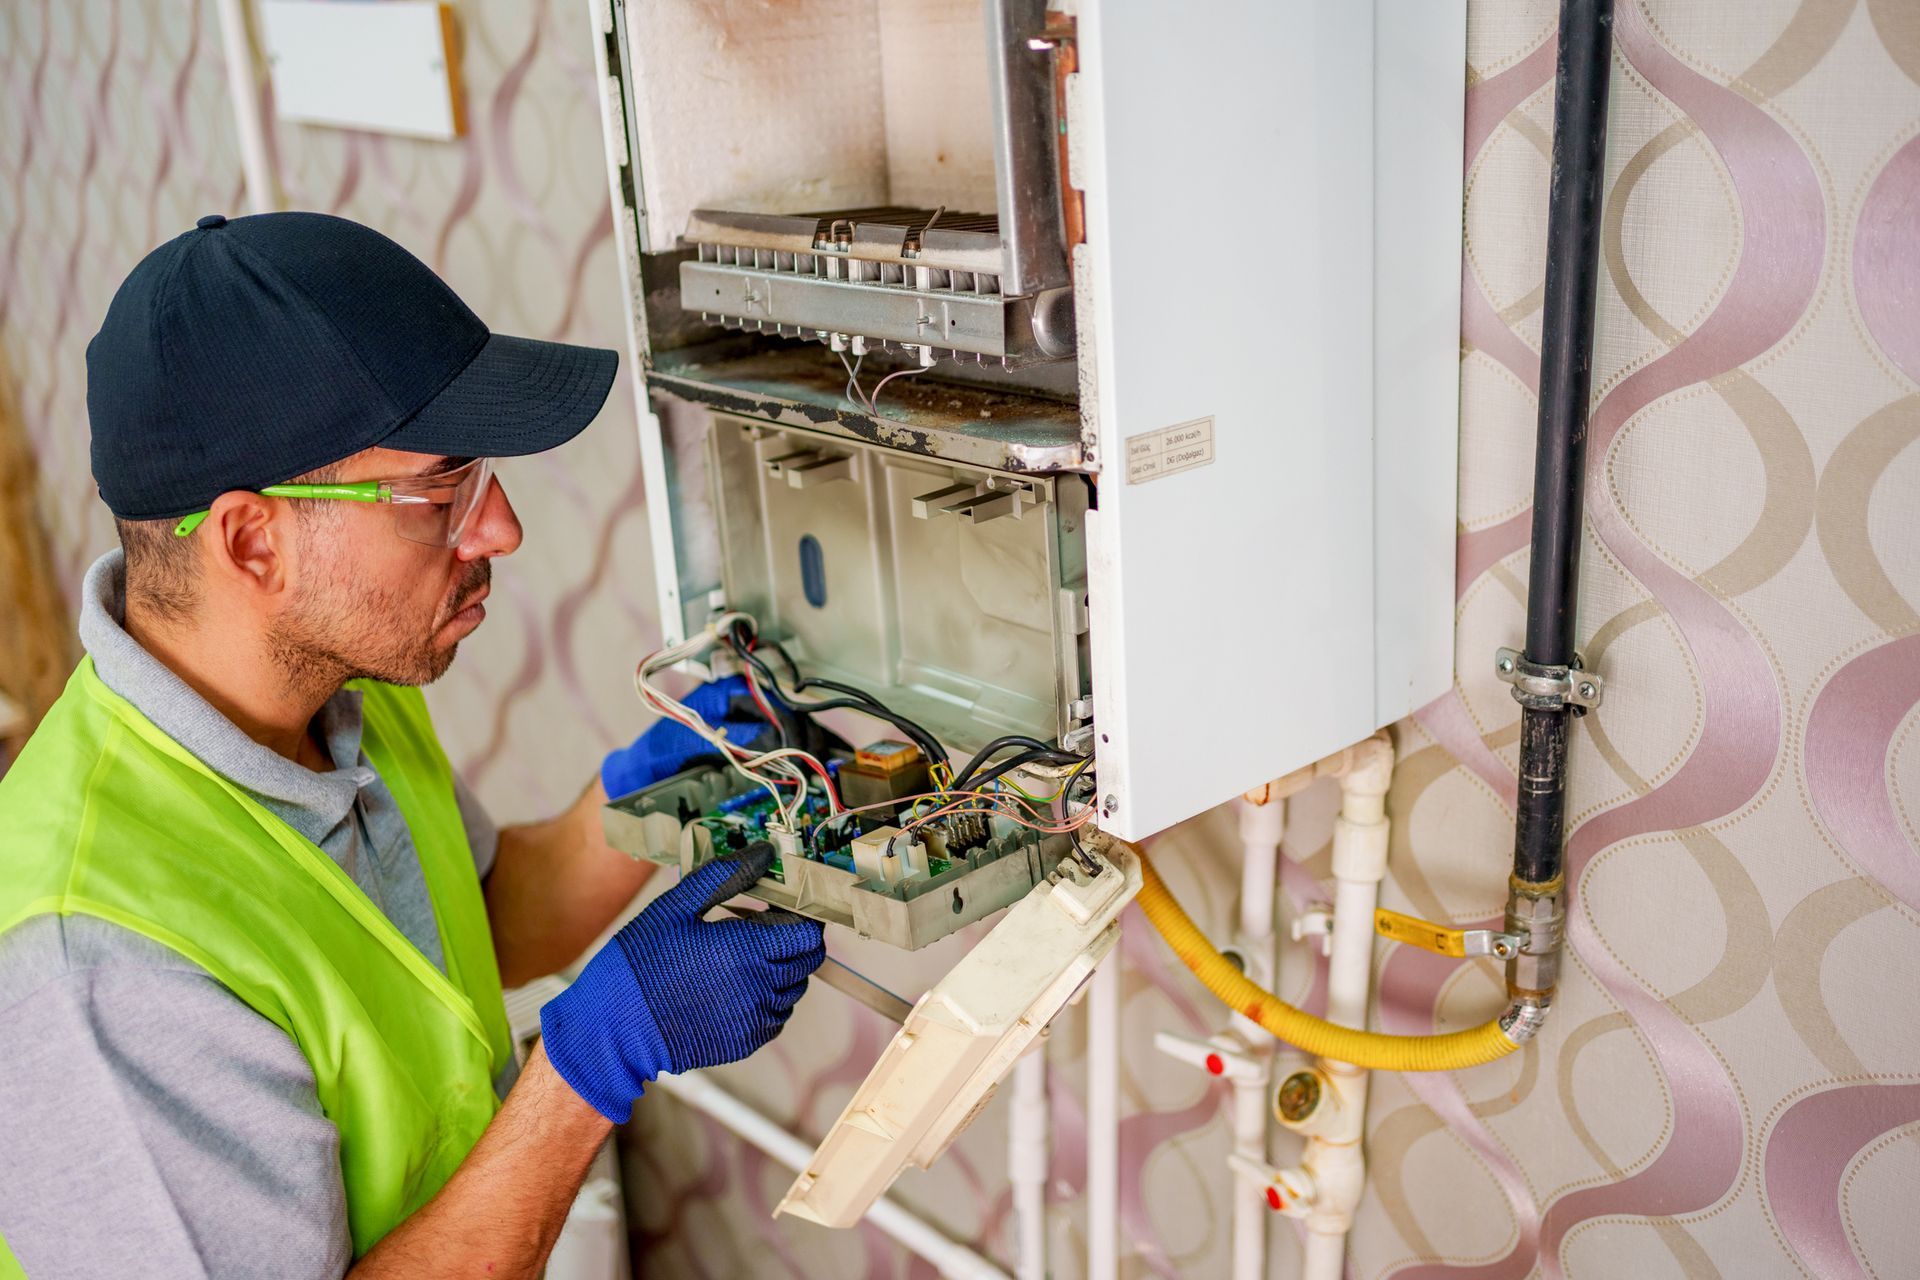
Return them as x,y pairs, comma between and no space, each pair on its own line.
253,930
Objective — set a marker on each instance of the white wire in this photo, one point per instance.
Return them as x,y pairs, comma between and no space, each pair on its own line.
744,762
873,401
673,708
800,797
790,814
853,379
870,401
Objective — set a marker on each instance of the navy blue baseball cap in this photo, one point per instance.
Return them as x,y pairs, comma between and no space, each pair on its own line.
252,350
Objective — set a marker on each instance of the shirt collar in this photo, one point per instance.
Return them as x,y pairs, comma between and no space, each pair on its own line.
312,803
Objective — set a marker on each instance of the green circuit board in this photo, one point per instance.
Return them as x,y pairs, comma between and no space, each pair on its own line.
745,819
974,865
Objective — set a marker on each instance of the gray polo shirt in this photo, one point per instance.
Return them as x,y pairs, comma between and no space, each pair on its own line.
151,1123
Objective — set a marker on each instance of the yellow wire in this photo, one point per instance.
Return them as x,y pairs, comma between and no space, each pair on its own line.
1024,794
1323,1039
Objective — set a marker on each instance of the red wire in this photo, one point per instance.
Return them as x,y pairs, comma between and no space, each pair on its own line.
760,699
766,710
832,793
826,778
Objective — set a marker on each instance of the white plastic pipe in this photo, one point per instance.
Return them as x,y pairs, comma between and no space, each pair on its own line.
1027,1162
1326,1256
1103,1119
1250,1210
244,88
1335,1155
949,1257
1261,827
1350,966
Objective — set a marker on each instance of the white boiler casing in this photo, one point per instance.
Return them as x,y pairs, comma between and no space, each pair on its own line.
1267,324
1273,201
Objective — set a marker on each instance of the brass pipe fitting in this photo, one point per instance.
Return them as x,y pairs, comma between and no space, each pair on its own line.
1536,911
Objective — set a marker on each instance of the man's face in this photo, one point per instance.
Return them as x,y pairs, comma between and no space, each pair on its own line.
373,604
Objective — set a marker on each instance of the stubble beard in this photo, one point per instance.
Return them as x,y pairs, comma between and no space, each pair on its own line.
350,631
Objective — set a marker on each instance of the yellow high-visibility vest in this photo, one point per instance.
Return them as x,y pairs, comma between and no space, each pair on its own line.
104,815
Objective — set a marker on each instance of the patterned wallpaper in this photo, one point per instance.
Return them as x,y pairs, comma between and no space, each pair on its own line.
128,137
1731,1083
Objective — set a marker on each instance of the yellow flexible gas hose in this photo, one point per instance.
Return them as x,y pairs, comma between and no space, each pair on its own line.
1316,1036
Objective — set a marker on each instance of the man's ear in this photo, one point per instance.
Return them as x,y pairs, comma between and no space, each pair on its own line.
249,542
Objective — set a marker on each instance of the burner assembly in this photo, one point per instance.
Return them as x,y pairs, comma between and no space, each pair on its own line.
924,282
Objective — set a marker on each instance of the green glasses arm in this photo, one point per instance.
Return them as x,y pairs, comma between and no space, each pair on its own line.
366,491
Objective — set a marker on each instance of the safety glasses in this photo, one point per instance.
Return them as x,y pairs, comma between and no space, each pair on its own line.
433,509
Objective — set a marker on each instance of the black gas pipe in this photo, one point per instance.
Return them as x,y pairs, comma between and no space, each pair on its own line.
1546,675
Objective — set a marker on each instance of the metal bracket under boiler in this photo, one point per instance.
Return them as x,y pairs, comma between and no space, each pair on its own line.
1549,688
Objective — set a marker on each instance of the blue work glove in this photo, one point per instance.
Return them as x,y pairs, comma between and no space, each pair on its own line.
674,991
667,747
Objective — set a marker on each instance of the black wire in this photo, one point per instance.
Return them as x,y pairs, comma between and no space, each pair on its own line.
792,667
786,721
1049,755
1080,852
929,747
1066,796
857,699
986,753
753,660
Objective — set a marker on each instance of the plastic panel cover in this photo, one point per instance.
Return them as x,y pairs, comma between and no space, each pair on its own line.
964,1035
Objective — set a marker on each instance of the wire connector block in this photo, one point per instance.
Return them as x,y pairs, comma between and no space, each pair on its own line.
1542,687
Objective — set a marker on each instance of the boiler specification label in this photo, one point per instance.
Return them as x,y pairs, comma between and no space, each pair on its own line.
1153,454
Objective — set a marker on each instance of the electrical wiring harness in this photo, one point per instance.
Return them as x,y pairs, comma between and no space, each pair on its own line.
1317,1036
955,796
768,769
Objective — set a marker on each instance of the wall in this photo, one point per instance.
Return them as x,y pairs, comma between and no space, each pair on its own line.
1732,1063
127,135
1735,1062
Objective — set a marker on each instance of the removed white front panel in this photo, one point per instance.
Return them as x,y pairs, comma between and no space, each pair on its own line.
1241,554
